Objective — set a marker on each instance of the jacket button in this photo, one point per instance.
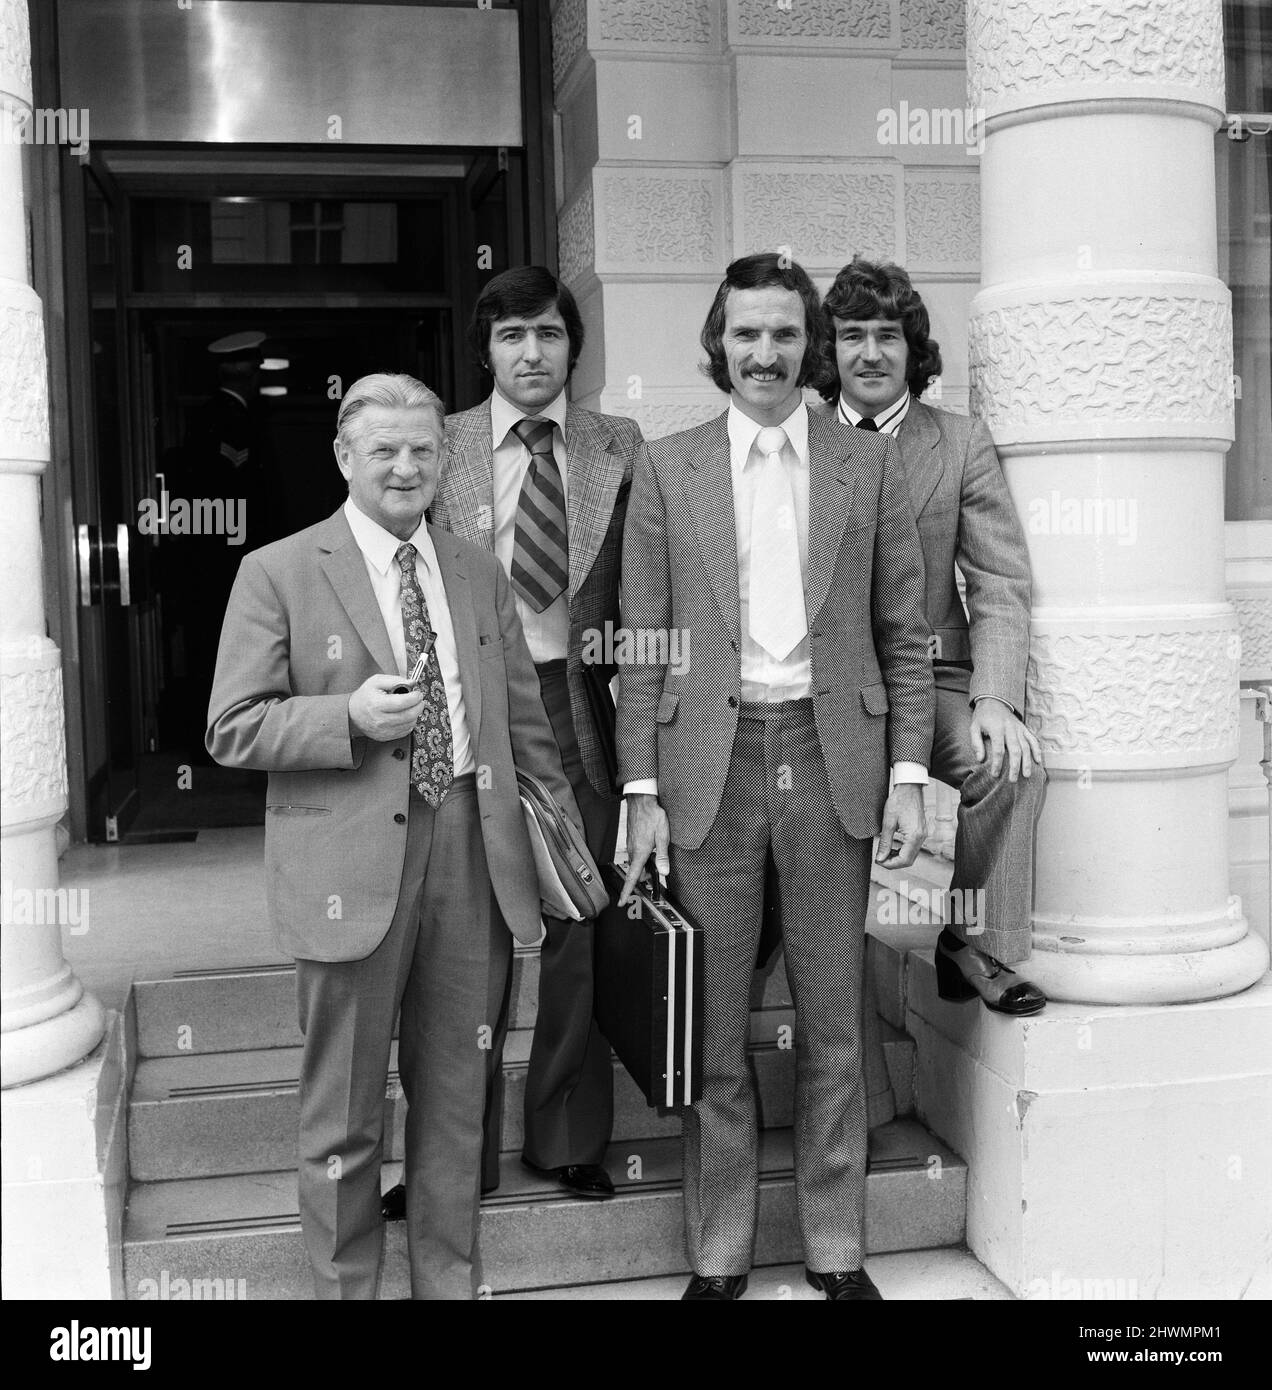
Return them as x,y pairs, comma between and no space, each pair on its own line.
399,753
733,702
399,819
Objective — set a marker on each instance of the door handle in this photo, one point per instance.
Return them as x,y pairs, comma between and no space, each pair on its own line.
122,555
89,563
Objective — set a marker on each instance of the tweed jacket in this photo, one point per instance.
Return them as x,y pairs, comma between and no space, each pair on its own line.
601,451
872,687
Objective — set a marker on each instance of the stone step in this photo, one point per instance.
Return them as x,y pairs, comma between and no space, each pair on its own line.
236,1112
244,1010
952,1274
244,1232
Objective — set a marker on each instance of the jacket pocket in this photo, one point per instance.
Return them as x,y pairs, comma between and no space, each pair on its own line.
875,698
289,810
667,703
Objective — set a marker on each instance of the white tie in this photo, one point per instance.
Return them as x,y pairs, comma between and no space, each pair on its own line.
776,592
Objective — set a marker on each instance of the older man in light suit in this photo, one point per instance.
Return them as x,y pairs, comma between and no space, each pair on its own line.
885,359
784,547
395,845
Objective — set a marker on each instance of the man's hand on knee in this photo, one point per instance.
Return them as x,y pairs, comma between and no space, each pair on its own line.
997,733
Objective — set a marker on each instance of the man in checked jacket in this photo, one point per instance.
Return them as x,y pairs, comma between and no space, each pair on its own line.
785,545
544,483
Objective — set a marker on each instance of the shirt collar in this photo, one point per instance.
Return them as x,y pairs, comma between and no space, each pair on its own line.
888,421
743,430
381,546
503,415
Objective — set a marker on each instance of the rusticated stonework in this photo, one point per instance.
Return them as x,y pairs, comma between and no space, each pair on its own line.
1109,694
942,221
576,237
656,21
24,413
15,47
659,221
824,217
1060,363
569,36
811,19
933,24
1254,614
1017,48
32,740
660,418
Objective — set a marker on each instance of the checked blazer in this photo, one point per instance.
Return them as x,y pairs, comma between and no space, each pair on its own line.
601,450
872,687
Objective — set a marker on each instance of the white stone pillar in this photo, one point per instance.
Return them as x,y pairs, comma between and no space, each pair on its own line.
48,1021
1101,352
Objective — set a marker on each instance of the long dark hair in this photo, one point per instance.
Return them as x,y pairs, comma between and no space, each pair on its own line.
865,290
756,273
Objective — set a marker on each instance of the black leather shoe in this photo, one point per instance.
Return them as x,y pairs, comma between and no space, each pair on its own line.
720,1288
852,1287
393,1202
582,1179
962,976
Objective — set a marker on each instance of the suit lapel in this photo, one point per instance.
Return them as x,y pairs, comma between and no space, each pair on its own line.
594,476
346,568
459,599
467,493
711,504
832,483
918,439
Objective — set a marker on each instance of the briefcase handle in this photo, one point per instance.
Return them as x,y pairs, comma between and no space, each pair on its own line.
653,884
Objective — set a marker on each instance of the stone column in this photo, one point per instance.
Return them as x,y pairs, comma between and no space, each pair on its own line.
1118,1143
48,1021
1101,353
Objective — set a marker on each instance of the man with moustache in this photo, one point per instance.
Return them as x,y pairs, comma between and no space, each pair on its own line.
784,543
544,484
391,868
885,359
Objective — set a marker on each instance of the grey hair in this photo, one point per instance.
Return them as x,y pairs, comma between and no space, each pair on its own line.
393,389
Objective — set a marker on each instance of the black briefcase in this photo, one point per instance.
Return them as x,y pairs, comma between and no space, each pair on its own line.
648,991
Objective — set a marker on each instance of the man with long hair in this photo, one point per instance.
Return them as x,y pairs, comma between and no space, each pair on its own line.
783,543
884,360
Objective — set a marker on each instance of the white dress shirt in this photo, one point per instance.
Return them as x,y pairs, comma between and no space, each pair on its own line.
379,549
547,633
765,677
887,421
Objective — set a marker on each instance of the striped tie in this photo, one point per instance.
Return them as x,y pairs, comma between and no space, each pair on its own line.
540,556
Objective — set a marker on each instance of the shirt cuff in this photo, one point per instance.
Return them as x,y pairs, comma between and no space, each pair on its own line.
644,786
909,773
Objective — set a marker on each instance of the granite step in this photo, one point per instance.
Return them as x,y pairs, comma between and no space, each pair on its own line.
244,1232
951,1274
236,1112
247,1009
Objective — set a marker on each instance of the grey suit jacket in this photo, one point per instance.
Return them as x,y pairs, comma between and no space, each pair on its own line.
872,684
601,450
303,631
966,516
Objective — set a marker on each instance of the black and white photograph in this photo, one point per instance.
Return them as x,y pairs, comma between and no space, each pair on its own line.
636,666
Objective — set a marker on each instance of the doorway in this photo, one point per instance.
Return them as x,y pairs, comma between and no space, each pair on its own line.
344,272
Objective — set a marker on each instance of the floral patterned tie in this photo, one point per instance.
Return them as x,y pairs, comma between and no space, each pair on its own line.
432,753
